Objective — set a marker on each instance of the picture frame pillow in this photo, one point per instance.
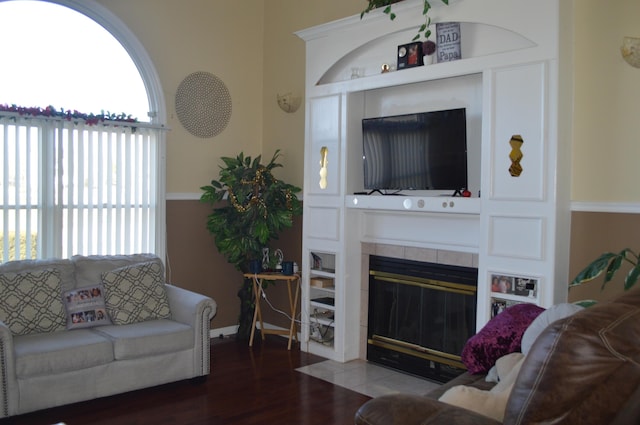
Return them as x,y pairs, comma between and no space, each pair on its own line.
31,303
85,307
136,293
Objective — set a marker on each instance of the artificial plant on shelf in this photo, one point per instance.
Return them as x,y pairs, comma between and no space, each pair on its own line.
426,7
257,207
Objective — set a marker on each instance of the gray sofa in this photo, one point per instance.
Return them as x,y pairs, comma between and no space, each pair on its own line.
45,363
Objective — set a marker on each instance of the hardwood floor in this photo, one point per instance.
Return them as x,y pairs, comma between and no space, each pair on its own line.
257,385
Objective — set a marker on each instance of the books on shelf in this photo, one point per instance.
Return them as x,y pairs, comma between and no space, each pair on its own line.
321,282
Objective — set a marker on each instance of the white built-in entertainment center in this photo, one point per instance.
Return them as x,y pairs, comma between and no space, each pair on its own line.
512,80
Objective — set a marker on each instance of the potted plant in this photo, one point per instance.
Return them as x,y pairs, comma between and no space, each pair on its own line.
424,28
609,263
257,208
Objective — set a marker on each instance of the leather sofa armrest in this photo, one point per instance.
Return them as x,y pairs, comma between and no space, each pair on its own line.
408,409
8,379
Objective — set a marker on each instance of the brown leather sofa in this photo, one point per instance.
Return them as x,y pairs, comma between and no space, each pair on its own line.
584,369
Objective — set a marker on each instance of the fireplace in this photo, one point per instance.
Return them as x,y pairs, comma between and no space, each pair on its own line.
420,315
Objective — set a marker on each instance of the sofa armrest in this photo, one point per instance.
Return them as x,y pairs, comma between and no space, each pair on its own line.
409,409
197,311
188,306
8,379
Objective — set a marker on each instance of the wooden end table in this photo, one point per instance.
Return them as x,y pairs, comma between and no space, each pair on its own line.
258,280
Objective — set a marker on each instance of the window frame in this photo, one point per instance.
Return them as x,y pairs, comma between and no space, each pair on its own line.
157,112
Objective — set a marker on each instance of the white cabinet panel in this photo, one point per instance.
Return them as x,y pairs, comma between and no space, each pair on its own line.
519,109
324,132
516,237
323,223
457,232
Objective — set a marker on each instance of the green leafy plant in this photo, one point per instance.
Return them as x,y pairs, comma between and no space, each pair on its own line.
257,208
424,28
610,263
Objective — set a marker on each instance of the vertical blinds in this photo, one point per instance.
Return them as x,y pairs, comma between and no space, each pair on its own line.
69,188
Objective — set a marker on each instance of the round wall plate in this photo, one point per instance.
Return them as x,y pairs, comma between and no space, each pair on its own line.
203,104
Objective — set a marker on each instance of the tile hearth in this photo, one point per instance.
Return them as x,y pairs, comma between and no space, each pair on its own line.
367,378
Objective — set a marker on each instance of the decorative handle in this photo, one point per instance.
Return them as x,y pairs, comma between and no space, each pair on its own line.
324,151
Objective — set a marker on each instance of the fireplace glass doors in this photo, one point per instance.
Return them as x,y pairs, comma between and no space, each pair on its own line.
420,316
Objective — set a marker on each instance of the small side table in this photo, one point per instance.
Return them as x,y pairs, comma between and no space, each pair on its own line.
258,280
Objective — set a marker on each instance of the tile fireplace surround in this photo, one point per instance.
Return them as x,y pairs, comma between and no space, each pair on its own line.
437,256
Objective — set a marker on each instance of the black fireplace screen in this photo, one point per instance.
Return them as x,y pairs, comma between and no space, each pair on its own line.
420,315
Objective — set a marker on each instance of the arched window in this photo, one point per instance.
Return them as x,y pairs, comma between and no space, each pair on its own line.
82,177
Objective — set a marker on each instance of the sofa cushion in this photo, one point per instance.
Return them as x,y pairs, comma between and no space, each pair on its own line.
136,293
85,307
31,302
58,352
89,269
540,323
63,267
152,337
500,336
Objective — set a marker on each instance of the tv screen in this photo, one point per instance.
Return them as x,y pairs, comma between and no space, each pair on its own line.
421,151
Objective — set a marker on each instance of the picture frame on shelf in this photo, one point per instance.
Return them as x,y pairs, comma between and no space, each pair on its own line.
498,305
448,47
522,286
410,55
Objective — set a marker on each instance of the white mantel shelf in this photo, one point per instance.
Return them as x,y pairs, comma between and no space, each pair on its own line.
427,204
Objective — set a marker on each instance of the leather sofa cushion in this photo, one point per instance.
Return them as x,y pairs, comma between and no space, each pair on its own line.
148,338
58,352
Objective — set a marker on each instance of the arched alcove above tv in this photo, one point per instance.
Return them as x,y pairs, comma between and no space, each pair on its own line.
368,59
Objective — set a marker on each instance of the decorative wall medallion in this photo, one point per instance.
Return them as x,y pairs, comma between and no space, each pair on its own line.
515,155
203,104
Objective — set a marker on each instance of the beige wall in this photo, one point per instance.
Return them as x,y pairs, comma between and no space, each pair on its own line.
606,141
284,71
220,37
250,45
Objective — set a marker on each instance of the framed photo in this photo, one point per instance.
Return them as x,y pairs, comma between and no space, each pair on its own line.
448,46
499,305
522,286
410,55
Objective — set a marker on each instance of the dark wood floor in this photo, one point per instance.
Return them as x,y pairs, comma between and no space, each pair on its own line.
256,385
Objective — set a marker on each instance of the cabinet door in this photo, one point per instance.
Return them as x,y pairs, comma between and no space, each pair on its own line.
518,222
323,127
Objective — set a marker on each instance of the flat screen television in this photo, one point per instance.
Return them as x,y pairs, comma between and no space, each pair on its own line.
419,151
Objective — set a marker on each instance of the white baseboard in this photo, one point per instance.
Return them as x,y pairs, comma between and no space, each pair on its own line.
229,330
232,330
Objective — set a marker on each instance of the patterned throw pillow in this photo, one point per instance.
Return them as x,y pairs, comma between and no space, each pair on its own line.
136,293
31,302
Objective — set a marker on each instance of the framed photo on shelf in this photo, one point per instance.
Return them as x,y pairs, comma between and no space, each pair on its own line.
410,55
449,37
523,286
499,305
